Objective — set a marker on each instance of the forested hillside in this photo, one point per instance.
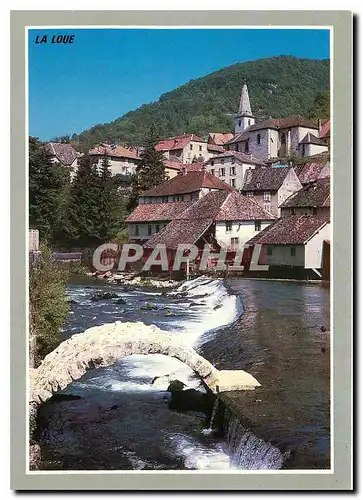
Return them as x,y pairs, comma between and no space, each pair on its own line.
278,86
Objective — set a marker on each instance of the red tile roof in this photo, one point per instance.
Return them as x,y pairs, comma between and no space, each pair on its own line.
265,179
214,147
188,183
65,153
117,151
175,165
325,129
292,230
177,142
219,138
157,211
189,225
315,194
240,207
308,172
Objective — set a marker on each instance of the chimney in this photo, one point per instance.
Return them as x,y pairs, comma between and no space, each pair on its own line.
319,125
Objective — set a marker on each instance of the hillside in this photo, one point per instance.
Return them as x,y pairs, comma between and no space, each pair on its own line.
278,86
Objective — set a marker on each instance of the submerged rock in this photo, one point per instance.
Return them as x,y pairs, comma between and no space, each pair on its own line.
121,301
149,307
103,296
175,385
72,301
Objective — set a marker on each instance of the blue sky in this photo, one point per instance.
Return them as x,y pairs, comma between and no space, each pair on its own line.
108,72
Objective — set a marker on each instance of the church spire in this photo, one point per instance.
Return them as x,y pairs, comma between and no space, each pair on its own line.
244,104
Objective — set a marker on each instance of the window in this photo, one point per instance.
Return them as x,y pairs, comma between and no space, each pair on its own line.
269,250
249,193
222,172
249,122
136,230
257,225
212,162
191,146
233,160
293,211
157,228
200,148
233,182
178,197
212,171
246,147
258,138
283,138
234,242
232,171
239,122
164,199
222,161
236,147
292,251
228,226
315,210
149,230
267,207
266,196
258,185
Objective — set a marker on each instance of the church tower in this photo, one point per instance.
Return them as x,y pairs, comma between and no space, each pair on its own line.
244,116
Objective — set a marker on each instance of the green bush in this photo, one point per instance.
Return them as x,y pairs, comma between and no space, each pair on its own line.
47,303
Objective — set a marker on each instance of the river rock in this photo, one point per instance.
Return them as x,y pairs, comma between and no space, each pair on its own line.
103,296
72,301
121,301
149,307
175,385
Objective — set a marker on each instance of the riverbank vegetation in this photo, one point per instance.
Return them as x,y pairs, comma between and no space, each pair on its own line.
48,305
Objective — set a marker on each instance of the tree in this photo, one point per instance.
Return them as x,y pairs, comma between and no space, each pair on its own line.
84,204
151,171
48,183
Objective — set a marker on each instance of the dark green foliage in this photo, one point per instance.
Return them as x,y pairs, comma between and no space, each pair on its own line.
151,170
48,186
321,107
48,305
278,86
96,209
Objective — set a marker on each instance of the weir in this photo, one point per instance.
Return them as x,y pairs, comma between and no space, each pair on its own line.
104,345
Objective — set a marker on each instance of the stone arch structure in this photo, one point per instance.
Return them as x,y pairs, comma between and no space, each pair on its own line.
104,345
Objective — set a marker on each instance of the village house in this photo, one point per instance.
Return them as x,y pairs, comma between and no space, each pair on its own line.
231,167
65,154
282,137
149,218
271,186
173,168
313,198
184,187
220,219
184,148
162,203
123,160
292,247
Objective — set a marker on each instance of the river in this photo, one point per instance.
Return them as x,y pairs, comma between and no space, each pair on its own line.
123,418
